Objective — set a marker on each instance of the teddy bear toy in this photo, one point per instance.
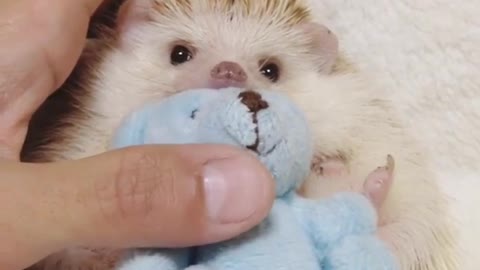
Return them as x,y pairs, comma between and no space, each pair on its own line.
335,233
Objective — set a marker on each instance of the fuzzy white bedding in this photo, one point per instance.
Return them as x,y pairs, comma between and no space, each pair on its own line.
427,53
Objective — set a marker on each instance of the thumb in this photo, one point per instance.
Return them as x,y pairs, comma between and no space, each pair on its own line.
148,196
165,195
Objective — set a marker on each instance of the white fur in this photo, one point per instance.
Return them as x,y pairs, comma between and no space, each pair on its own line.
146,262
350,116
427,53
343,109
139,68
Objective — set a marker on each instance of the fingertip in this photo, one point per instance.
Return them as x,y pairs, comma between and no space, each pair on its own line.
239,193
232,192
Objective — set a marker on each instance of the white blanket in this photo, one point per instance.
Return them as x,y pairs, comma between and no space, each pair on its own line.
427,52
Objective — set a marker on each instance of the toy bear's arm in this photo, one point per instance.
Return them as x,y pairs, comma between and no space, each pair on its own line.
343,230
359,252
329,220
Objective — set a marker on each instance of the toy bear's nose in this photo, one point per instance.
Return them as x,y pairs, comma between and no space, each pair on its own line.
253,101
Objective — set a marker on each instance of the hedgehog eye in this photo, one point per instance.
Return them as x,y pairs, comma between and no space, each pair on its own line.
180,54
270,70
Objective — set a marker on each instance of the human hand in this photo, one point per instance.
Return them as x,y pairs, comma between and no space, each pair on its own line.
137,197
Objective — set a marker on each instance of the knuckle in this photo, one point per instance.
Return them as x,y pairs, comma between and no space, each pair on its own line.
142,182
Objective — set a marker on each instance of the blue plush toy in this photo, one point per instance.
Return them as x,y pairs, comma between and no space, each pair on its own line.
299,234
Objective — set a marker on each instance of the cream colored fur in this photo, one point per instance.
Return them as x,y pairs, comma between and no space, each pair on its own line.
139,68
351,116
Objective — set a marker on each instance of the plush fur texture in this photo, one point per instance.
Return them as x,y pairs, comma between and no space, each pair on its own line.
264,122
331,234
352,117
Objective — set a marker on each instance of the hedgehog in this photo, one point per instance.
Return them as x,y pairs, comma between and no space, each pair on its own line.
157,48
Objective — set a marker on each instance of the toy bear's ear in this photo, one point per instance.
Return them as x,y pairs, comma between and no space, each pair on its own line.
323,46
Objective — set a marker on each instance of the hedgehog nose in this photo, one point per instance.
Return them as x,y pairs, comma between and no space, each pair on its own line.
253,101
228,74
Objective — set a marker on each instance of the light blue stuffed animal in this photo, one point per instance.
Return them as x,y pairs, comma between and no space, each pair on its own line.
336,233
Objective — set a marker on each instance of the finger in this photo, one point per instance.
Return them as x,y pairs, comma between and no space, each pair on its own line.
178,195
41,42
56,35
159,196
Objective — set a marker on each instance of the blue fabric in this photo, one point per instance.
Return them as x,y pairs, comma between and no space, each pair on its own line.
336,233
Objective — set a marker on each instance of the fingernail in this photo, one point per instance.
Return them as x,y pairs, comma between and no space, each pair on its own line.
234,189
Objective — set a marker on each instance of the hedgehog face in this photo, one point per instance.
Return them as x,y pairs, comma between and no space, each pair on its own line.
221,43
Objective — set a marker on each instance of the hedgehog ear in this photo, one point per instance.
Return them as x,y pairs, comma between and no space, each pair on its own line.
130,14
323,46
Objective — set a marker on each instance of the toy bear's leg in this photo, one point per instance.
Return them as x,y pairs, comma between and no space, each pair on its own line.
378,183
360,252
160,260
